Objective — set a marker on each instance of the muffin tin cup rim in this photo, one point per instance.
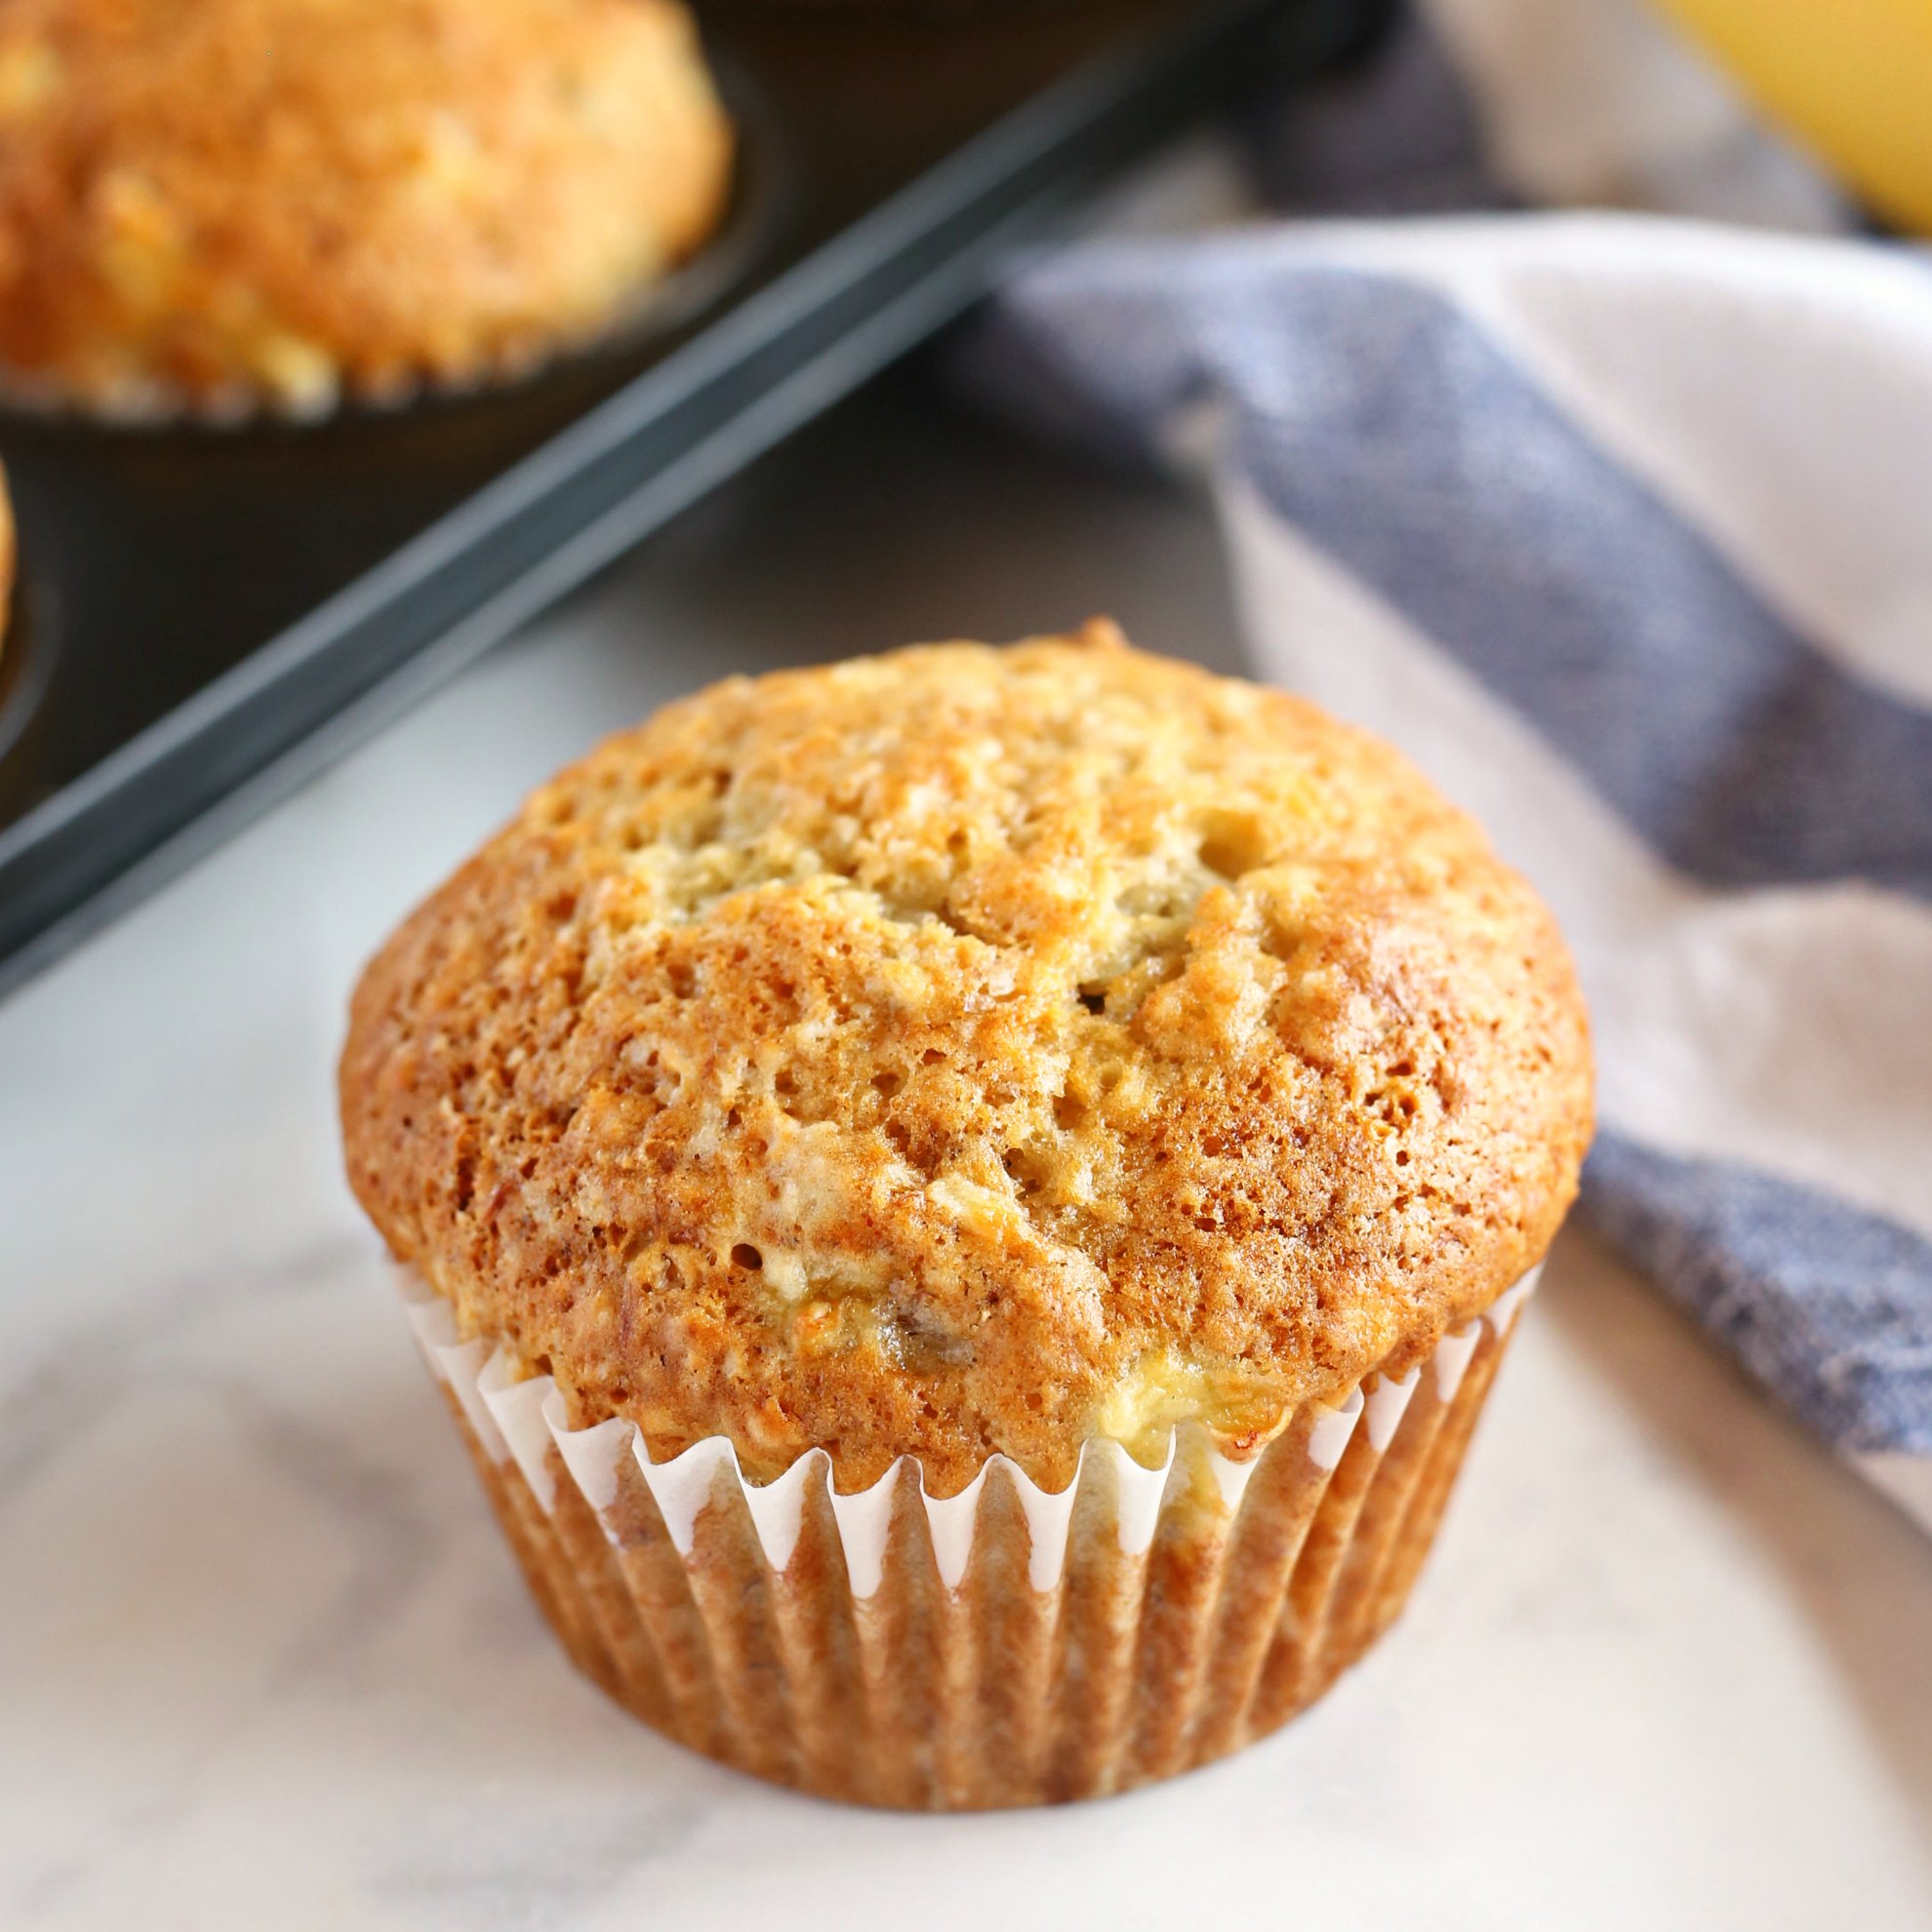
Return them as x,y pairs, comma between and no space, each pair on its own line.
29,641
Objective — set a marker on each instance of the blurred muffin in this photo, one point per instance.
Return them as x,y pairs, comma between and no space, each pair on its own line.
966,1053
221,202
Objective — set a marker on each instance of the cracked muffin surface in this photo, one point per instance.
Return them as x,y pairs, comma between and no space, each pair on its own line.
210,201
971,1049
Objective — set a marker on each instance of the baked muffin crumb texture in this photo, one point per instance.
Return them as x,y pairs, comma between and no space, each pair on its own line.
965,1050
286,199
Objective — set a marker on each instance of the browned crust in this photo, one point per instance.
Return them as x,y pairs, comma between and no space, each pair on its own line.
291,197
892,1056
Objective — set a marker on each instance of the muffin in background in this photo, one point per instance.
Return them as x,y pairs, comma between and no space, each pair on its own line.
966,1203
227,204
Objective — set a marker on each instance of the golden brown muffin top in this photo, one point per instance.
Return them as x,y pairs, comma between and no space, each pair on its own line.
216,198
970,1049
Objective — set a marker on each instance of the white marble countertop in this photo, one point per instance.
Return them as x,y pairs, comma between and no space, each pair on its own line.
263,1661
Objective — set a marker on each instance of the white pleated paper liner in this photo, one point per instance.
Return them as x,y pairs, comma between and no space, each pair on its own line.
1008,1645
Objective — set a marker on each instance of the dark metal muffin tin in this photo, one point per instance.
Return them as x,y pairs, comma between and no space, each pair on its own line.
206,615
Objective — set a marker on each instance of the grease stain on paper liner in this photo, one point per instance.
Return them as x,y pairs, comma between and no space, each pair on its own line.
879,1646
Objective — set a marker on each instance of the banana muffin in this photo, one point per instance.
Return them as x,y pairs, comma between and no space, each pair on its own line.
970,1054
215,203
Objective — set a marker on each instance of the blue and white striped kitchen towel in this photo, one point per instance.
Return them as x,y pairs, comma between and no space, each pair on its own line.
1622,526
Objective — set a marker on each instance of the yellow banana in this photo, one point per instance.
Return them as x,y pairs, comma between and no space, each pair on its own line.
1852,79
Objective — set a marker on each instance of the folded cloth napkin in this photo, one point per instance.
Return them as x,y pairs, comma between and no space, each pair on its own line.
1622,527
